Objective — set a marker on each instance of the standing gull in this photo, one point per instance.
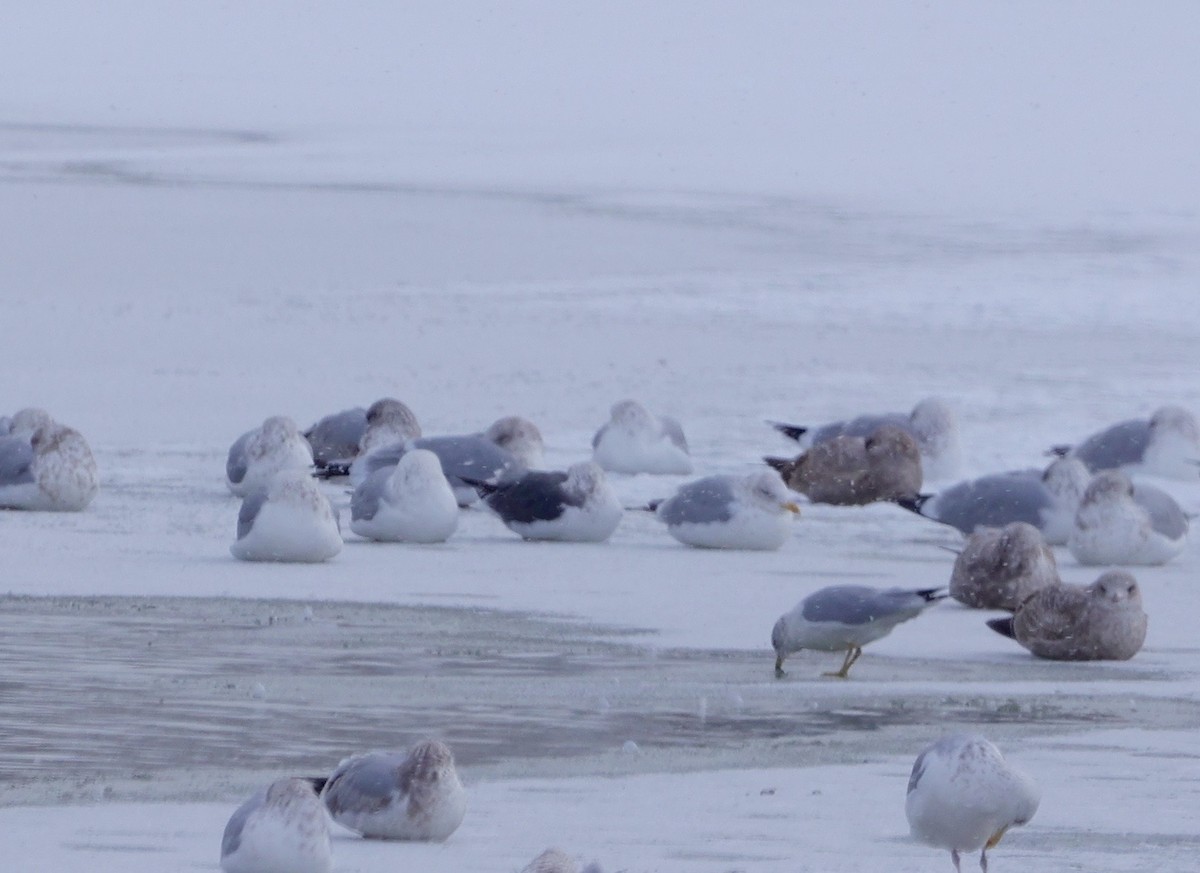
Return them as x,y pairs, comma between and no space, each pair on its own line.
1046,499
1103,621
259,454
730,512
1166,444
410,502
288,520
846,618
963,796
1120,523
281,829
634,440
573,506
1000,567
931,423
398,796
49,469
854,471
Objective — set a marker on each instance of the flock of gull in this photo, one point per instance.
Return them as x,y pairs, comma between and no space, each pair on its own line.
408,487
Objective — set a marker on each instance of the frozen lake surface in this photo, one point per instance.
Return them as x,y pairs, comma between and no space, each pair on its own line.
776,214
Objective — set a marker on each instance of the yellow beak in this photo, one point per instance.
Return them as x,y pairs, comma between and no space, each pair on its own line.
791,507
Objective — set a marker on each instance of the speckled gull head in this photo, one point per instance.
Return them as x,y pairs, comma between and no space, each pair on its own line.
584,479
1117,587
632,416
1173,446
1110,486
275,433
520,436
29,419
388,421
1066,479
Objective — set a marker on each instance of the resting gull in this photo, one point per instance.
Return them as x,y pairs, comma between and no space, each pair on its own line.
1046,499
336,436
853,470
1166,444
282,829
1120,523
931,423
288,520
1103,621
1000,567
634,440
49,468
397,795
963,796
846,618
409,502
259,454
730,512
578,505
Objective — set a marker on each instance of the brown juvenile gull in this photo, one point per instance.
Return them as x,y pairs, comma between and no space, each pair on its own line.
397,795
1166,444
853,470
1000,567
963,796
1103,621
844,618
49,468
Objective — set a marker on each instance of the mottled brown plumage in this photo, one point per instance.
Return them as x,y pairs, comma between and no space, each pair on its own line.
853,471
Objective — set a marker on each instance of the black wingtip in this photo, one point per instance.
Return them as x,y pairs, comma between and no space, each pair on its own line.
933,595
652,506
778,464
791,431
1003,626
1060,451
318,782
331,469
482,488
913,504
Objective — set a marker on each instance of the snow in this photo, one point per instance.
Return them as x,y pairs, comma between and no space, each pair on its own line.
213,215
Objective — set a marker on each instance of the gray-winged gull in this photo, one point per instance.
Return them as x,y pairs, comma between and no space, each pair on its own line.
963,796
282,829
409,502
844,618
634,440
1166,444
1103,621
336,436
259,454
752,511
414,795
288,520
1121,523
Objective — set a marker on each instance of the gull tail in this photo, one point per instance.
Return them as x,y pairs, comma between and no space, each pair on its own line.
1059,451
318,782
782,465
791,431
1002,626
933,595
482,487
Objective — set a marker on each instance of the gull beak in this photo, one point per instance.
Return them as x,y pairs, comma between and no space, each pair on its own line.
791,507
991,844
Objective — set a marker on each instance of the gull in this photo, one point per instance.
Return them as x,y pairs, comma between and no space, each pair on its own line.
1120,523
853,470
1166,444
963,796
282,829
287,520
577,505
1000,567
409,502
259,454
634,440
730,512
1103,621
414,795
846,618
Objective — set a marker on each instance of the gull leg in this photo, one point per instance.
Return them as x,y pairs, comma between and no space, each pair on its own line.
779,674
954,858
983,860
851,656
